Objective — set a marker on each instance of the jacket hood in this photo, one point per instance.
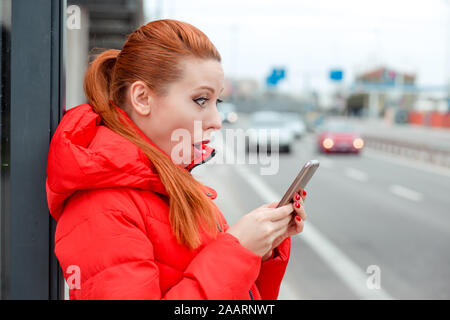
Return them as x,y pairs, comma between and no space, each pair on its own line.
84,154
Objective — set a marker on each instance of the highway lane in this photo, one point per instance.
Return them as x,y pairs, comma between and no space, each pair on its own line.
376,212
408,239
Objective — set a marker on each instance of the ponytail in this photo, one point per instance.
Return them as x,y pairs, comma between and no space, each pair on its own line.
97,80
190,208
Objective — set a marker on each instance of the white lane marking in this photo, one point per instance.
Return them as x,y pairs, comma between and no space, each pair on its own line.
349,272
356,174
406,193
415,164
66,291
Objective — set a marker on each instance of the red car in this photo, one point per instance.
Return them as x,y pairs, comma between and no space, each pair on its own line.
339,136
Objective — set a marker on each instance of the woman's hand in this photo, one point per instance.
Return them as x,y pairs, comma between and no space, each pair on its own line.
264,228
295,225
258,229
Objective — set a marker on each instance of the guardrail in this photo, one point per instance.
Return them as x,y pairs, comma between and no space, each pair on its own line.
417,151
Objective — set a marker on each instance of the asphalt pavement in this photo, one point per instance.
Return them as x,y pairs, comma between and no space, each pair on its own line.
378,226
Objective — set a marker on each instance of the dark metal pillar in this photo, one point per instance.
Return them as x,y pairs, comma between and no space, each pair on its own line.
30,269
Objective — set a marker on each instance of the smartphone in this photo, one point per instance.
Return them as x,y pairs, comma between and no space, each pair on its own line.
300,181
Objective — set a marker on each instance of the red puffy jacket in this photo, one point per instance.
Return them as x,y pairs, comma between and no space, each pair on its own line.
113,226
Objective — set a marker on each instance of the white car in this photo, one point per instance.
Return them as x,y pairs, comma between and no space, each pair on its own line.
265,126
227,112
295,123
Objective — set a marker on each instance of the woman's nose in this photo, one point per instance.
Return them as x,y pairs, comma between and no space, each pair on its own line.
215,122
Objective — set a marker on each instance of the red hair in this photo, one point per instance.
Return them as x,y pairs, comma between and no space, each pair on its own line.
152,54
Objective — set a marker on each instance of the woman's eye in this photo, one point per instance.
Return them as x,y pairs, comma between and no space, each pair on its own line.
203,100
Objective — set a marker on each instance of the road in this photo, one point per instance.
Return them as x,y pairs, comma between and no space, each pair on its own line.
372,219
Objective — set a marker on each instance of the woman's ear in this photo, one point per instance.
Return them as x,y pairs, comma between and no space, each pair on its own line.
140,98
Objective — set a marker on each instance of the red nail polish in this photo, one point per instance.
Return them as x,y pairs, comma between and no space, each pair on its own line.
297,197
298,218
304,193
297,204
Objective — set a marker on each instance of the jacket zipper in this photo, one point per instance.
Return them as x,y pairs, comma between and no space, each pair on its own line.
249,291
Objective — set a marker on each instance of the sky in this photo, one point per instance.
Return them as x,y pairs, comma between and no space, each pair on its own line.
310,37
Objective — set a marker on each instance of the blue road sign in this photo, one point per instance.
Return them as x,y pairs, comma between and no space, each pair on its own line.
336,75
276,75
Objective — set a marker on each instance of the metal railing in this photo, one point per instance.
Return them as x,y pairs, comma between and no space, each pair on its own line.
416,151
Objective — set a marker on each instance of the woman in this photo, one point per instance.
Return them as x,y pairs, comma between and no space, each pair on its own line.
134,222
